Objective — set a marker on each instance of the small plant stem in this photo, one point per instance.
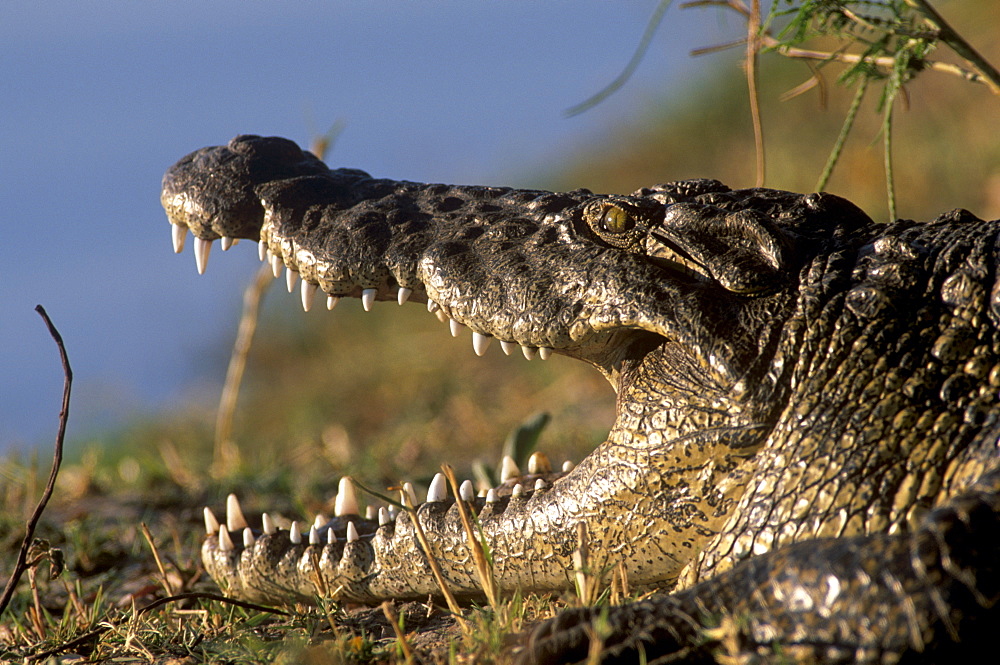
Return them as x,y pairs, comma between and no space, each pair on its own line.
845,129
890,185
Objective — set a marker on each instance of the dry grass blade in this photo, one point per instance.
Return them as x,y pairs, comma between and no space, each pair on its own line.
390,614
164,580
29,534
483,567
435,567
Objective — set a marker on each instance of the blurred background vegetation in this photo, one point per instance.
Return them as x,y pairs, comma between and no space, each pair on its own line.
389,395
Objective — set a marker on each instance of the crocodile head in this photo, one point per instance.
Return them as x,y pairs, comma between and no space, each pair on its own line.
678,294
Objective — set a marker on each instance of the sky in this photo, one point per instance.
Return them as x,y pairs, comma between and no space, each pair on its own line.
101,97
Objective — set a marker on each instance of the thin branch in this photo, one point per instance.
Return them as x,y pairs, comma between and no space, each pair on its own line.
29,535
885,62
991,77
633,64
986,73
708,50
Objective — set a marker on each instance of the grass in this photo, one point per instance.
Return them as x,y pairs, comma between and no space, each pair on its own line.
93,609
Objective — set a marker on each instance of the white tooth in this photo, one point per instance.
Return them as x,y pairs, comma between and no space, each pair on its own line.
539,463
202,248
441,316
540,484
432,306
480,343
483,493
294,534
438,491
517,492
508,347
567,466
234,514
370,512
320,520
268,524
368,299
408,494
226,242
178,234
211,524
529,352
225,542
393,511
331,537
331,301
352,532
290,277
262,249
347,500
313,536
455,327
544,352
508,469
403,295
383,517
491,496
465,491
276,265
308,293
248,539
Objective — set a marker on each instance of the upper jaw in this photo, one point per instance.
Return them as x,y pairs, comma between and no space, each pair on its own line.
517,270
212,191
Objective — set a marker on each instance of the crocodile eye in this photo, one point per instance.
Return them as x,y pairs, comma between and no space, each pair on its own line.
616,220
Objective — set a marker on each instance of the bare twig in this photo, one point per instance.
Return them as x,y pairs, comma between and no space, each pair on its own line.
29,535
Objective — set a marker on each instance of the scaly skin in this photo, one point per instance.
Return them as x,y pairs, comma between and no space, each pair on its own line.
786,370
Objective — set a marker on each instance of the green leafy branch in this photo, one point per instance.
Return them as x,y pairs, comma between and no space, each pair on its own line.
887,42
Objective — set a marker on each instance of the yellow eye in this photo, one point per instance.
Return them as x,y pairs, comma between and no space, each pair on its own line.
616,220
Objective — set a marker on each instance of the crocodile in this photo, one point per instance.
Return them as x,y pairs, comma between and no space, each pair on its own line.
805,449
